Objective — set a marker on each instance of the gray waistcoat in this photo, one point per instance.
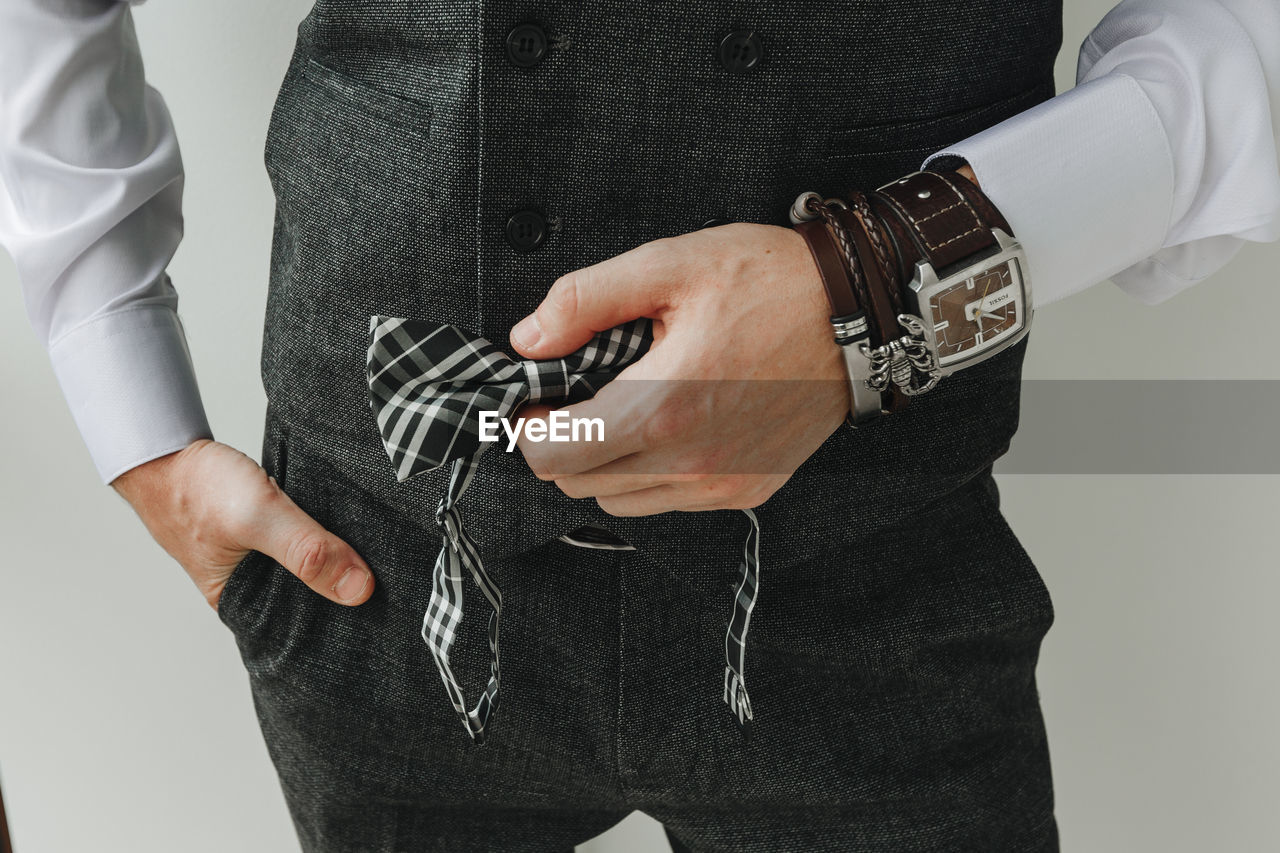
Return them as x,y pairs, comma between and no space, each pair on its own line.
408,132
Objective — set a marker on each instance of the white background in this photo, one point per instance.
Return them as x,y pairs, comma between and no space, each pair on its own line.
125,717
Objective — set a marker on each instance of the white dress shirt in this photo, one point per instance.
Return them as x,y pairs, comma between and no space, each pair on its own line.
1152,172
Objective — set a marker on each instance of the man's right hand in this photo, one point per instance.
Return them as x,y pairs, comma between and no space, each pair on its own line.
209,504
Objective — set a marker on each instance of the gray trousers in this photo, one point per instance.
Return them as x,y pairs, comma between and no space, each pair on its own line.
891,671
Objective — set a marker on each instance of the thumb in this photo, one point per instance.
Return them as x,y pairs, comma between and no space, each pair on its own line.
321,560
637,283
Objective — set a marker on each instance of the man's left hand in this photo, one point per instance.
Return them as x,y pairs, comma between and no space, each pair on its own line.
741,309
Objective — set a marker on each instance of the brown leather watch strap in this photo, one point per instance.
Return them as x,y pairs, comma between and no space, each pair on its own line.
986,210
940,217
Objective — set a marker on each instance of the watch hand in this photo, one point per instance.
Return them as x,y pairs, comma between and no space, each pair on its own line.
977,309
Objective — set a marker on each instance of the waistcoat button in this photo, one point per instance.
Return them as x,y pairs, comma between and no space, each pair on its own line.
526,45
740,51
526,229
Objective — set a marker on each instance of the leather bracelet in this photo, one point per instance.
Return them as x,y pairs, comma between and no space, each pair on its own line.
850,321
896,234
885,251
843,240
831,267
882,299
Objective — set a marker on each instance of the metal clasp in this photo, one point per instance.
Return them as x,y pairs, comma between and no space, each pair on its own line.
803,208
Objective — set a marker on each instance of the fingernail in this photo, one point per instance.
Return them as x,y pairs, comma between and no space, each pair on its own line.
351,584
527,332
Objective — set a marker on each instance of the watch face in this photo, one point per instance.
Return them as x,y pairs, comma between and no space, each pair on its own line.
977,312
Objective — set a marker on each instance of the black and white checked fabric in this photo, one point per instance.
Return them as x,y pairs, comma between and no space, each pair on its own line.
735,639
428,384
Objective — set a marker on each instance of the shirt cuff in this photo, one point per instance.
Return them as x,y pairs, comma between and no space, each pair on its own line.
1085,180
131,386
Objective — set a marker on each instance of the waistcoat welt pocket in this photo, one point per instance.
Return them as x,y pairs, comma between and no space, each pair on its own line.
413,116
375,214
924,135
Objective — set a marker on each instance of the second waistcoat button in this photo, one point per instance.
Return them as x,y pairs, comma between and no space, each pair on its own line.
526,229
526,45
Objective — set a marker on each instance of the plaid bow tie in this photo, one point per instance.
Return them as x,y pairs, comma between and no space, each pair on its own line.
428,384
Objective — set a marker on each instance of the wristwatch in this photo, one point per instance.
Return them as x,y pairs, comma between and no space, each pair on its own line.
968,295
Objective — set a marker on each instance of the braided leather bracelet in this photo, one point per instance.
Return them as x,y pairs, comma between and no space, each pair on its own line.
830,242
885,252
870,266
882,283
827,210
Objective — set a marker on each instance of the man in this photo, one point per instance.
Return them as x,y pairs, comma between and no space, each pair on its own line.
433,163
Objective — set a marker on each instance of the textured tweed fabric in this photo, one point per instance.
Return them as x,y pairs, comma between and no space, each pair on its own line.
898,623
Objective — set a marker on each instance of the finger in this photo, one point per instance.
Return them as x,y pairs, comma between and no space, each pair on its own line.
694,494
321,560
651,501
609,430
636,283
631,473
609,481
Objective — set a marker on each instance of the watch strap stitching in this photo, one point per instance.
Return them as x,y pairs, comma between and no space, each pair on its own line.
964,199
935,214
991,215
898,207
895,208
917,182
919,222
903,238
936,246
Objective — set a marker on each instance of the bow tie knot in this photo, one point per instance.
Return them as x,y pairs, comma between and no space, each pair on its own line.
548,381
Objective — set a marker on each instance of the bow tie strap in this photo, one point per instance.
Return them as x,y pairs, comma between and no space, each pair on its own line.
444,613
735,639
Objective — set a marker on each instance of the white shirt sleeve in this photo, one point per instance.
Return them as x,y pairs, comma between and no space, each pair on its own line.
1159,164
90,209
